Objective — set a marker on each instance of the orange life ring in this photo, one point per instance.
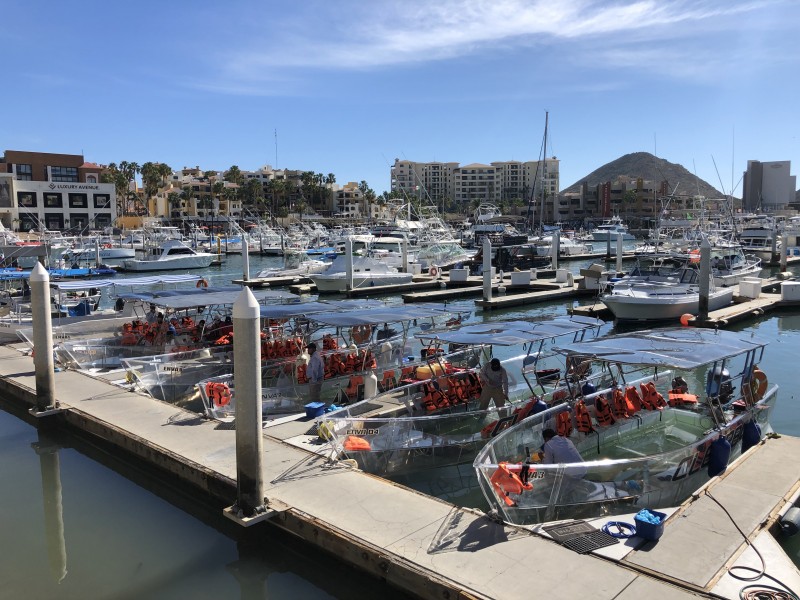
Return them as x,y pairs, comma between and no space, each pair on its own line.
201,283
433,271
758,386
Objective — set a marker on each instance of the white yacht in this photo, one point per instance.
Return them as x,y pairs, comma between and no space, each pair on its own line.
171,255
609,229
295,264
366,272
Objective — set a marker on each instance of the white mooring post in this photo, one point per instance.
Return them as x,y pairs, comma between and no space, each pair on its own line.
245,259
404,251
555,248
247,383
784,248
42,341
619,253
487,269
349,262
705,278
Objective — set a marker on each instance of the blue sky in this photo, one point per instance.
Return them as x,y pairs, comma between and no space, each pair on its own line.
351,85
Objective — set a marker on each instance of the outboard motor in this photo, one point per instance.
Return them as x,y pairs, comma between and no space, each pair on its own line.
718,383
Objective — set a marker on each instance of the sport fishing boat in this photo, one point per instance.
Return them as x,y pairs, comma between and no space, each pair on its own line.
169,256
610,229
432,417
650,444
662,289
296,263
366,272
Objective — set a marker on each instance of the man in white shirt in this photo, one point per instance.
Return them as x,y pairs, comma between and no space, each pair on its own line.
559,450
315,373
494,384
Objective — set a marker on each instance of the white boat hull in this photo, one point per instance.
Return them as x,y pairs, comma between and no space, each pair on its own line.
196,261
664,306
337,282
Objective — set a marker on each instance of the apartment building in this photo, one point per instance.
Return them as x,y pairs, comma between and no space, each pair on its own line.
41,190
768,186
476,182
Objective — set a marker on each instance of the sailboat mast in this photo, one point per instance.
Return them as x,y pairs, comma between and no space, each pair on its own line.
544,171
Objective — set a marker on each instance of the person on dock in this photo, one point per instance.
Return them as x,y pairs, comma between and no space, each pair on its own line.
315,373
494,384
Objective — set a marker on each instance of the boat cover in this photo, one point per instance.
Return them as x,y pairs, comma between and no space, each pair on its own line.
378,315
679,348
512,333
130,282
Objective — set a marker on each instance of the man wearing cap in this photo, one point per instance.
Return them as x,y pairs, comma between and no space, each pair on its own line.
494,384
315,373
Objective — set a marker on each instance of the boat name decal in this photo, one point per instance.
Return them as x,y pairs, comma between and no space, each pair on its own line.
361,432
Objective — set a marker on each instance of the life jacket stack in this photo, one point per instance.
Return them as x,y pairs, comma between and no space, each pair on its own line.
651,398
433,398
329,342
302,376
389,381
678,398
621,407
283,348
355,388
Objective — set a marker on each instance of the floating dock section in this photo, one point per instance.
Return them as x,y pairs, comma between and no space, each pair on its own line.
419,544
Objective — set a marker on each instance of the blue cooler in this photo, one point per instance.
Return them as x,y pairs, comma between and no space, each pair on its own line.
315,409
647,530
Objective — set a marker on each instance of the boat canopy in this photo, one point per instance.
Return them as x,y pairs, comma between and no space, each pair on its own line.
512,333
177,300
289,311
376,316
678,348
130,282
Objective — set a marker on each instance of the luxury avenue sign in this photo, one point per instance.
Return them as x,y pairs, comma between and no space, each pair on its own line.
73,186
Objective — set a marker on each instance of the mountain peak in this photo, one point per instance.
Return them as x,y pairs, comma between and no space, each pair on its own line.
650,168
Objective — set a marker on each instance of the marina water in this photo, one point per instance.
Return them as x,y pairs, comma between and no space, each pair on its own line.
78,523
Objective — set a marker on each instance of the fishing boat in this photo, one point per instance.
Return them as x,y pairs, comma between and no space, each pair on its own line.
366,272
432,418
169,256
647,445
662,289
296,263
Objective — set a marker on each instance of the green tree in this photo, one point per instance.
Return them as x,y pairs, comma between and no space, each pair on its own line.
234,175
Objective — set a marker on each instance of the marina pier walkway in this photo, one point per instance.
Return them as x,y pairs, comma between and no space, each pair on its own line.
420,544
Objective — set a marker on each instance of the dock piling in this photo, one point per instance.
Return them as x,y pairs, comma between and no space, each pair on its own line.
245,259
42,340
404,250
619,253
487,268
555,248
705,278
247,382
348,248
784,247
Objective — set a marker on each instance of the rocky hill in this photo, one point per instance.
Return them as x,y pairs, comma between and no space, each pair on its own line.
649,168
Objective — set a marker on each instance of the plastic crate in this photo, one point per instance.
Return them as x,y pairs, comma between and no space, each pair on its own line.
315,409
649,531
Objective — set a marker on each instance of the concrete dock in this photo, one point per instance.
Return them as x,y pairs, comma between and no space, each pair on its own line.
422,545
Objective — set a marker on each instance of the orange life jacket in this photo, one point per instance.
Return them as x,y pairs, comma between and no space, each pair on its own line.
583,418
677,398
301,374
351,363
219,393
633,399
651,398
620,407
564,423
355,388
507,482
388,382
433,398
603,411
129,339
356,444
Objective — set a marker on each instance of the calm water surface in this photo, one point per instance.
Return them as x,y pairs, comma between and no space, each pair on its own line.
78,524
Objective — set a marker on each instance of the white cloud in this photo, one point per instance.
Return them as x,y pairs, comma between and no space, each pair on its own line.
355,35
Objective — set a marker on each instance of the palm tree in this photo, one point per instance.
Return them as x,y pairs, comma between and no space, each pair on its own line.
174,201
